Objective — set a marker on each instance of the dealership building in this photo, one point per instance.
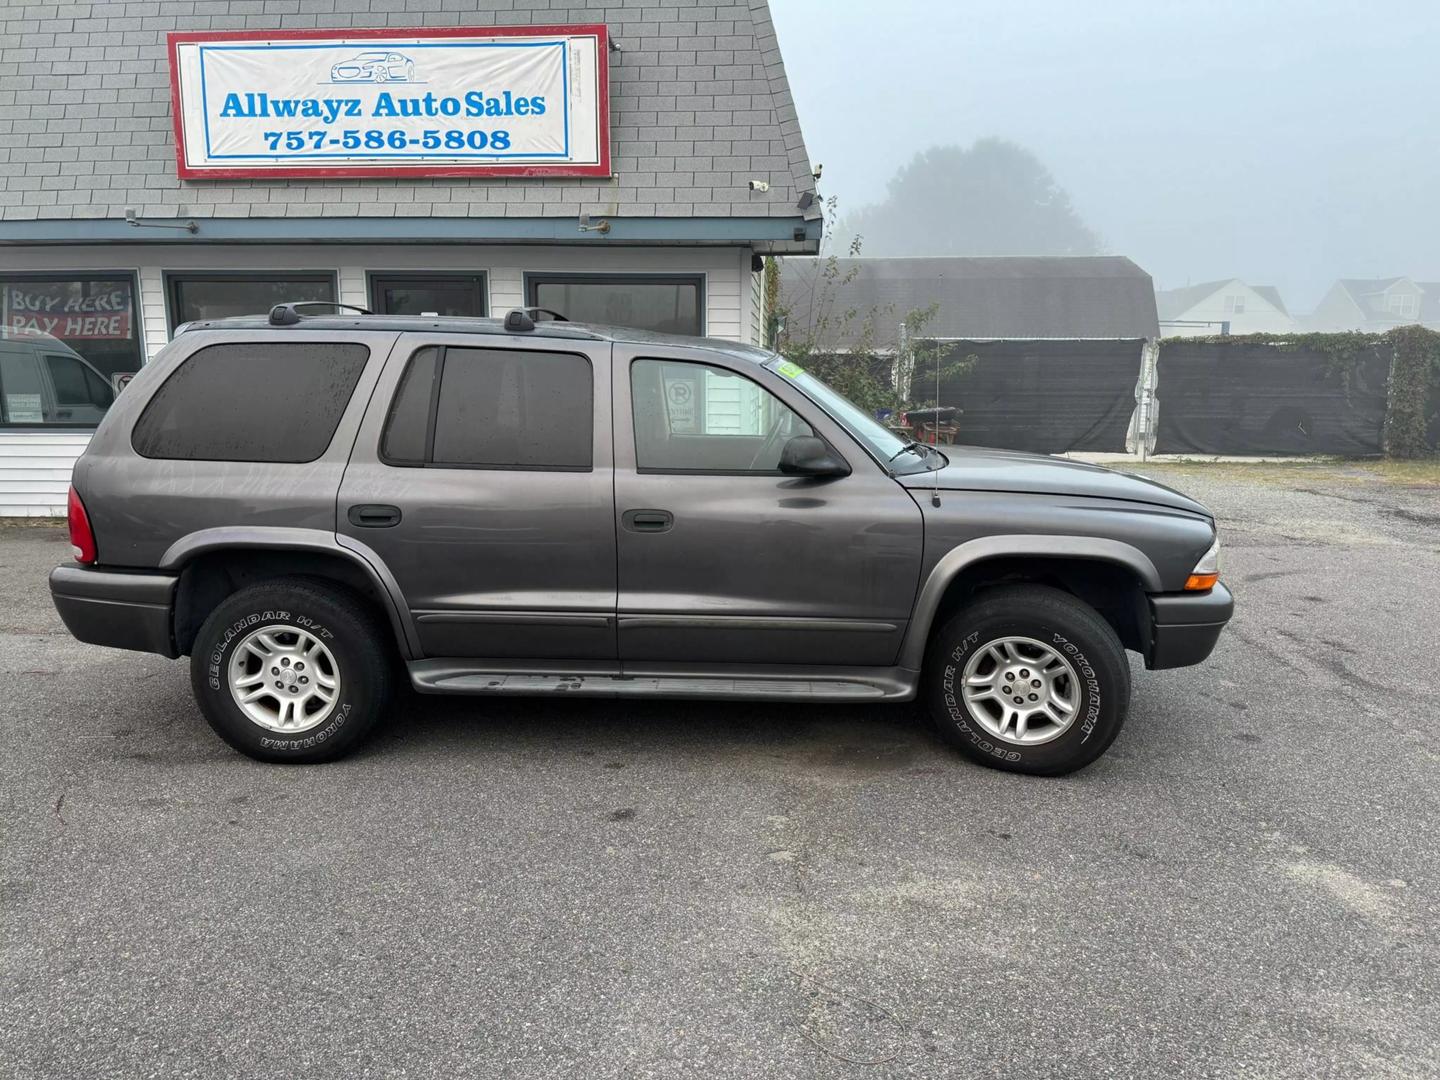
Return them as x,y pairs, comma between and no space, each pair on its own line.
629,162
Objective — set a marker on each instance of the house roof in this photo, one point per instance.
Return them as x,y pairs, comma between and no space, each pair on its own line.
997,297
1271,295
699,104
1358,287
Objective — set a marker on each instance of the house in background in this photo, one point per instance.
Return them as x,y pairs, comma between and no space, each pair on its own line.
1377,304
1024,297
1222,307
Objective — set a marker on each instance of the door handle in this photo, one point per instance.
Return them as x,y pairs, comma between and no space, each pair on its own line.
374,516
647,521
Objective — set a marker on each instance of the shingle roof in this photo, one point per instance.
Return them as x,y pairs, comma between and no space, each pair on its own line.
700,104
1271,295
1012,297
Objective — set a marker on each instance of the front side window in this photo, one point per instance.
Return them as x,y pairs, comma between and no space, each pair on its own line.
492,409
220,296
68,342
252,401
661,303
696,418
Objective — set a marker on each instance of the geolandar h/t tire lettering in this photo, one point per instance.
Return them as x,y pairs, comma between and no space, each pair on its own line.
1029,679
291,670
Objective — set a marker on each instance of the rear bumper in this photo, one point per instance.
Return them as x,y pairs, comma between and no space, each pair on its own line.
118,609
1185,626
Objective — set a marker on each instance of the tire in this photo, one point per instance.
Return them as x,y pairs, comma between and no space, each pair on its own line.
305,721
1013,629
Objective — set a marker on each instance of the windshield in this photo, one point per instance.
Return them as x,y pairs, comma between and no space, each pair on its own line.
901,454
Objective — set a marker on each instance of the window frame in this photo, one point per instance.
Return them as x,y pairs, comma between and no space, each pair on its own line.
1402,304
533,279
137,329
660,471
172,278
374,279
433,412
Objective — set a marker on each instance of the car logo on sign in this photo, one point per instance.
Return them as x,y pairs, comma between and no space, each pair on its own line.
374,66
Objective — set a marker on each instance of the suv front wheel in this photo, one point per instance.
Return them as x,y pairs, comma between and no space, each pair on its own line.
291,670
1029,679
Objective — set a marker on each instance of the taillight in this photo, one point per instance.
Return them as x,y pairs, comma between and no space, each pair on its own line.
82,538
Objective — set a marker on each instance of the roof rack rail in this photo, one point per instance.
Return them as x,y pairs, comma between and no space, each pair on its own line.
522,320
287,315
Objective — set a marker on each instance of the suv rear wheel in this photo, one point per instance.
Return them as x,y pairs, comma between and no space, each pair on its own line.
1029,679
291,670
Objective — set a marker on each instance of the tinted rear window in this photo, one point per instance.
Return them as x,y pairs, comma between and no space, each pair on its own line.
254,401
495,408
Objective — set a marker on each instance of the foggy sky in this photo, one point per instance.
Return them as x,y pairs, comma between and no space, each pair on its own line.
1285,143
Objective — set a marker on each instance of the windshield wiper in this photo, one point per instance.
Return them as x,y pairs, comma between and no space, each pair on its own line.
913,444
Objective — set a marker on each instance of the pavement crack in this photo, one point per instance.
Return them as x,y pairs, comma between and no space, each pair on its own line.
59,805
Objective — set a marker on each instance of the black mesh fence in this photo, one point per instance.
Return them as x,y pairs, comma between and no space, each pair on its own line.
1219,397
1042,395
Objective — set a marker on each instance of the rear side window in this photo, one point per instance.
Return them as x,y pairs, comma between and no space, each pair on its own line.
492,409
254,401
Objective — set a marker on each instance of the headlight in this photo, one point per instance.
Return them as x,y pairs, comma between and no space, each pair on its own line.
1207,570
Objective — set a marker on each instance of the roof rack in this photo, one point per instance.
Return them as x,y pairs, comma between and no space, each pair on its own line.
522,320
287,315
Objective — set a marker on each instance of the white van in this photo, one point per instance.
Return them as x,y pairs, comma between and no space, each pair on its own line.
44,381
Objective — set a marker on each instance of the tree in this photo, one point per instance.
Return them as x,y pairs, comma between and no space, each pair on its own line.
996,198
878,380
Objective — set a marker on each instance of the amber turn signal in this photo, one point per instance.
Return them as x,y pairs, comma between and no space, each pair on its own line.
1201,582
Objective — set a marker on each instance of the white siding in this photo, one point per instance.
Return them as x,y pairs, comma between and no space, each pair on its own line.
1209,315
35,471
35,467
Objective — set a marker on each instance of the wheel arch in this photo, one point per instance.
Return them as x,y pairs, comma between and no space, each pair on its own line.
1111,575
213,563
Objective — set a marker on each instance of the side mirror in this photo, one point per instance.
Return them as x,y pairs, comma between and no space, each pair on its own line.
805,455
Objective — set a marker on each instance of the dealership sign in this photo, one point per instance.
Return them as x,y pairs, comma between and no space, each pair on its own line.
457,101
63,309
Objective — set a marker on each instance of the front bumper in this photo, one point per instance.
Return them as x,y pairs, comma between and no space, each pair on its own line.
116,608
1185,626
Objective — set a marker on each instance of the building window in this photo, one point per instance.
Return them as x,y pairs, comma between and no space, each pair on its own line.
193,296
1402,304
427,294
68,343
697,418
669,304
1234,305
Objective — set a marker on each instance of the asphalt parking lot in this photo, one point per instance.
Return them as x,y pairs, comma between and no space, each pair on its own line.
1248,884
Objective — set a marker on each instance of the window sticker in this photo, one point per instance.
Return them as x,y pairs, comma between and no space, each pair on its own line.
24,409
789,370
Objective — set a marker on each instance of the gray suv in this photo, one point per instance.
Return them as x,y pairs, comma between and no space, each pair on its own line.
312,506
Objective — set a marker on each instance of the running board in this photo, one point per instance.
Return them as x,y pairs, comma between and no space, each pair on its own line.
778,684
